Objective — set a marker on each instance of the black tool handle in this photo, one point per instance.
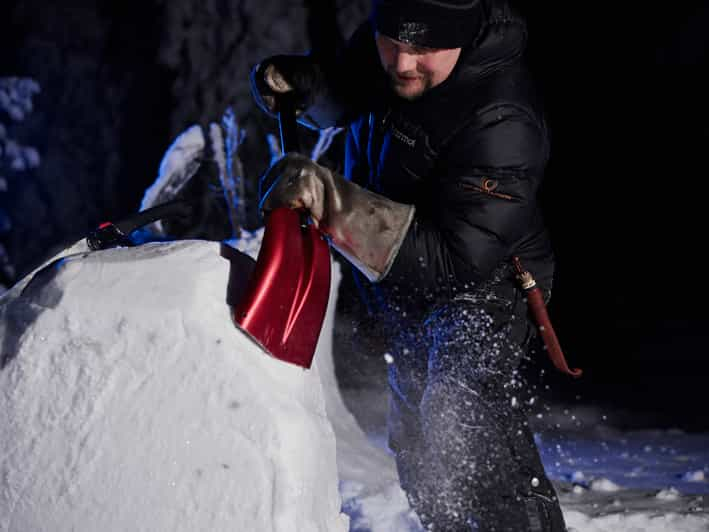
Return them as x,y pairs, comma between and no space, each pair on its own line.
175,208
287,124
109,234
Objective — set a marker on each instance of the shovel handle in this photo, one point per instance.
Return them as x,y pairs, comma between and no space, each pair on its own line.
288,127
287,124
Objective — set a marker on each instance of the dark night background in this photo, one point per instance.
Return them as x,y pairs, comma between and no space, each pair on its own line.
625,195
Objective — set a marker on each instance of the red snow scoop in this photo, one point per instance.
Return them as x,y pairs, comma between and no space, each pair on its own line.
283,304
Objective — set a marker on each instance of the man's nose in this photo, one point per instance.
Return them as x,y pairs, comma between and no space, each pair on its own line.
405,62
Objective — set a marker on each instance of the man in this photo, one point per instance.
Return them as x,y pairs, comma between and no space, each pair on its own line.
446,148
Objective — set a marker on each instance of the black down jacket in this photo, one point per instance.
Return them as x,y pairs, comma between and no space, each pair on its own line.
470,154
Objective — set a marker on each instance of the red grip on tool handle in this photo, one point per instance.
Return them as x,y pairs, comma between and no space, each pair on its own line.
535,301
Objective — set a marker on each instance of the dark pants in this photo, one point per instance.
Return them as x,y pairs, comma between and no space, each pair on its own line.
465,454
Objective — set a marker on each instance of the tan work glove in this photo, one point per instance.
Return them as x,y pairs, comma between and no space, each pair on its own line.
366,228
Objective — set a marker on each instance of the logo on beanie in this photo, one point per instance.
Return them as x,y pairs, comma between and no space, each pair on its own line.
430,23
411,32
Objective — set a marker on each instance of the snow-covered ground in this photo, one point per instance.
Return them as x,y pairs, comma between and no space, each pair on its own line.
608,480
128,401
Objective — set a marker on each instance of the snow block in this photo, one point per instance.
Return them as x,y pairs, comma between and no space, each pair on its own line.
129,401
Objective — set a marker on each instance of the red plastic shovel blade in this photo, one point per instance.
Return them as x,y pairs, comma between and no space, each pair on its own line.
284,303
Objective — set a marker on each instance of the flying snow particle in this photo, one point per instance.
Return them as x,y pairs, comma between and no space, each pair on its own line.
604,484
577,476
668,494
694,476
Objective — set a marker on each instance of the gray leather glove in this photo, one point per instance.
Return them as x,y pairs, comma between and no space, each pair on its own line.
366,228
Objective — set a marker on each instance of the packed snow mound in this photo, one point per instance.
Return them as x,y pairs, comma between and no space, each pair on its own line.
129,401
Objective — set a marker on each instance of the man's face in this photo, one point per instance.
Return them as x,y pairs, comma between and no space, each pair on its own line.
412,70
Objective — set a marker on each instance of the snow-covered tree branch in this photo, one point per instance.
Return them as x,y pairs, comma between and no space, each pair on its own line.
15,104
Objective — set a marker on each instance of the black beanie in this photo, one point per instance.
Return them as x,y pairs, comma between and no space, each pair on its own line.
429,23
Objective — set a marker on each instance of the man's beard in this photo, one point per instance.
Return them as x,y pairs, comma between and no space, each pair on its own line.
409,90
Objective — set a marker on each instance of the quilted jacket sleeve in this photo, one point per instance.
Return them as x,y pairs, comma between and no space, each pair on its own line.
482,201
